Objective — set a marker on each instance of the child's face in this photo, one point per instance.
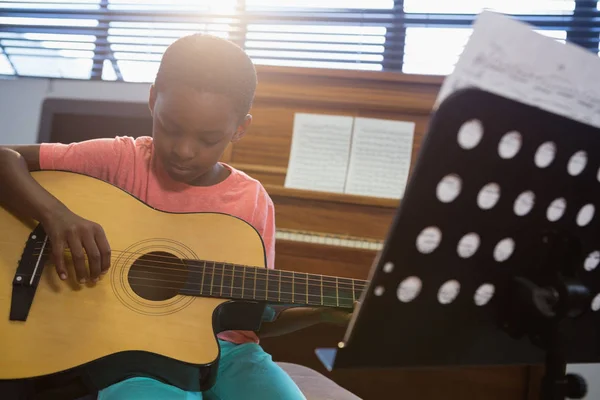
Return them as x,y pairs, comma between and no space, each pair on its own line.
192,129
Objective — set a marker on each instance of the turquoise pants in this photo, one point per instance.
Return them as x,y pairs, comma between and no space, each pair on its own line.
246,372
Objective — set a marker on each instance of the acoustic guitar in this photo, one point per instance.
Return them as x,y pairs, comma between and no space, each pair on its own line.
176,280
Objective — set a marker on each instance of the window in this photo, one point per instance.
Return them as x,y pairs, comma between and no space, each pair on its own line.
515,7
125,39
320,37
49,55
38,44
597,38
433,44
137,43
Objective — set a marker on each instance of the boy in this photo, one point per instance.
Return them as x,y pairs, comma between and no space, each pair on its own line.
199,104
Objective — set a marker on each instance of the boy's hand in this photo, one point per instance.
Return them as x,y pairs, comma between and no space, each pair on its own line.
336,316
68,230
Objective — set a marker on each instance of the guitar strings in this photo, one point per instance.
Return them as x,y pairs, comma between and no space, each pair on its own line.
296,275
341,286
274,280
48,249
213,269
230,289
312,283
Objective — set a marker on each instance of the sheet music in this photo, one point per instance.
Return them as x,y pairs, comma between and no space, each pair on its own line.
319,153
507,57
380,157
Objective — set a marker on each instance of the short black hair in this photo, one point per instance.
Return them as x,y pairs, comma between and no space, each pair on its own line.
209,64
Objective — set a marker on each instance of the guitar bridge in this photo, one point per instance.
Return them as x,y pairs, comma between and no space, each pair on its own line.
29,271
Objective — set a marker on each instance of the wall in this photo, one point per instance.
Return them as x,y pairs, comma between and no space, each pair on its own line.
21,102
20,108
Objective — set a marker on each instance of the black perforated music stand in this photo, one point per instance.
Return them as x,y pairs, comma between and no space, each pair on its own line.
484,263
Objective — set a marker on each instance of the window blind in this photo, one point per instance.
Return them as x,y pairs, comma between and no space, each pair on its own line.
437,30
124,39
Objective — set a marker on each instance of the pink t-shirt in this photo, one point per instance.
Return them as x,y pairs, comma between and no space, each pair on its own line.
130,164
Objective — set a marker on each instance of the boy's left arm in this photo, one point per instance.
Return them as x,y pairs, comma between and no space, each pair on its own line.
293,318
296,318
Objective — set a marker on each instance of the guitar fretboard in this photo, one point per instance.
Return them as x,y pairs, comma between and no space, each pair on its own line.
273,286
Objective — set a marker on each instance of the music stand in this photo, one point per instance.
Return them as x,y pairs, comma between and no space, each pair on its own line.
492,255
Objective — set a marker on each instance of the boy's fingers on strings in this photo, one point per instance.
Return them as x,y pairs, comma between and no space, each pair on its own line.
78,257
104,248
58,247
93,255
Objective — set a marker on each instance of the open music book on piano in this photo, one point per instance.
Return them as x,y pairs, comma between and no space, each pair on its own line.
342,154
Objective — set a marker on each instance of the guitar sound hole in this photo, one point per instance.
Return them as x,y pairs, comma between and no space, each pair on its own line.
157,276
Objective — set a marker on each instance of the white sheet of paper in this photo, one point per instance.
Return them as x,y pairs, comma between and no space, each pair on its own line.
506,57
380,157
319,154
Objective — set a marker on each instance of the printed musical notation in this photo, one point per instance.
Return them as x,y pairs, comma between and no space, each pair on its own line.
361,156
319,153
507,57
380,157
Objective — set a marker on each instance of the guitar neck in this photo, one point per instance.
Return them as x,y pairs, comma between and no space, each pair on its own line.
240,282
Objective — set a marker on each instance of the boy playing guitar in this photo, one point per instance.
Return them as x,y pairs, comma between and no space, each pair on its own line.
199,104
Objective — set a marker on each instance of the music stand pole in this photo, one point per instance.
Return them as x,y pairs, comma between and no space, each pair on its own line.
555,304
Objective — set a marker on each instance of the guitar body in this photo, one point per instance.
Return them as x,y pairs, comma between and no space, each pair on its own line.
109,329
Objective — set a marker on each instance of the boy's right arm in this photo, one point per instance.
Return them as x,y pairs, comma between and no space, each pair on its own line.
25,197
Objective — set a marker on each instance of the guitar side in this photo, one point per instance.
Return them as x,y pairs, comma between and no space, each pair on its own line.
108,324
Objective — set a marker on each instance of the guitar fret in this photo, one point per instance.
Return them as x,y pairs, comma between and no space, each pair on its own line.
267,286
233,280
286,288
313,291
337,294
329,288
203,275
227,281
353,291
307,288
279,291
254,295
301,287
237,287
272,285
321,289
212,278
293,297
250,283
260,283
222,279
345,290
207,279
243,281
217,280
